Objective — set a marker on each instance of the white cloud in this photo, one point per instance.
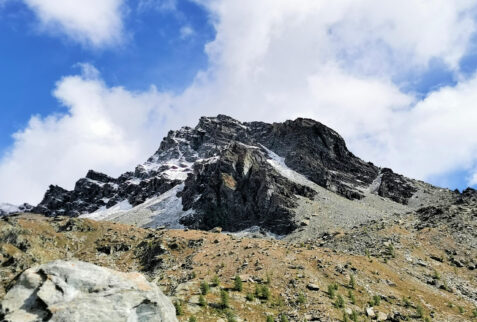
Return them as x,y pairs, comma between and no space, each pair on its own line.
89,22
272,60
108,129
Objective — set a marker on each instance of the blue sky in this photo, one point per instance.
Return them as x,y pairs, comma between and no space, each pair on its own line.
97,84
31,62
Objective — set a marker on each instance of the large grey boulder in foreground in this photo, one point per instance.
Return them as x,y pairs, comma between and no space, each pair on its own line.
78,291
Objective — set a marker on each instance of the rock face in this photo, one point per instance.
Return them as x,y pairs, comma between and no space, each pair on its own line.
224,172
78,291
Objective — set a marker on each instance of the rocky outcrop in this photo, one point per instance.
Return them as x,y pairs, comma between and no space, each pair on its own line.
240,189
78,291
395,187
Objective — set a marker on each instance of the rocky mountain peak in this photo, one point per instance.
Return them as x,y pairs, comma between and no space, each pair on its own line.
237,175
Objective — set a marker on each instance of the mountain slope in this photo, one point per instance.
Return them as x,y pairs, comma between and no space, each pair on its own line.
279,177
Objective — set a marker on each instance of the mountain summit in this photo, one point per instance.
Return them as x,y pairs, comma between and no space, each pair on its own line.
295,176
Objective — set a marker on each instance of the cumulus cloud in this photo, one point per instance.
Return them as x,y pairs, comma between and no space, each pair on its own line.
271,60
89,22
103,128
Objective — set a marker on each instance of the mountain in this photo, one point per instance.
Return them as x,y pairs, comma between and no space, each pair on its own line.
6,208
291,177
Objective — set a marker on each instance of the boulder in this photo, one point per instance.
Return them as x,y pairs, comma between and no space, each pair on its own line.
77,291
370,312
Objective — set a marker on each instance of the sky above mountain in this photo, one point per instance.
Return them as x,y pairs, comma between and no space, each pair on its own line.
97,84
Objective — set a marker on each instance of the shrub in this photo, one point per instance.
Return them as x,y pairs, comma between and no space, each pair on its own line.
474,312
345,317
352,282
301,298
339,303
204,288
354,316
230,316
250,297
270,318
202,301
419,311
331,291
215,281
461,309
192,319
352,299
436,275
238,284
224,299
178,307
262,292
283,318
376,300
406,301
391,251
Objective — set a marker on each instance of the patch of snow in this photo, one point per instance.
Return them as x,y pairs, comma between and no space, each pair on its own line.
374,186
163,210
104,213
278,163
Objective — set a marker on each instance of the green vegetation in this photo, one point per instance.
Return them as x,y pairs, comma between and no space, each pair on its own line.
179,309
215,281
354,316
270,318
269,279
224,299
375,301
283,318
352,282
474,313
391,251
192,319
419,311
262,292
345,317
339,303
250,297
352,299
406,301
301,298
238,284
332,288
202,301
436,275
461,309
204,288
230,316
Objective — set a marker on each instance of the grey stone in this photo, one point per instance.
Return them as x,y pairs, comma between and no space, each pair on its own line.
73,291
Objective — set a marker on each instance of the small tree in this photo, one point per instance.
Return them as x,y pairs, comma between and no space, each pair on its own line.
215,281
283,318
419,311
178,307
204,288
331,291
238,284
202,301
339,303
352,299
224,299
376,300
352,282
